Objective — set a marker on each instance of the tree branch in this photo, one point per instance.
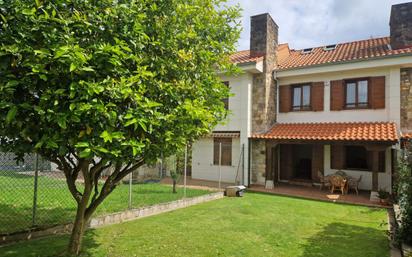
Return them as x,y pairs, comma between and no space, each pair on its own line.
70,179
96,179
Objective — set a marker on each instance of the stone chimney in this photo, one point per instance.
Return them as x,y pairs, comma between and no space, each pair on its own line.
401,25
264,40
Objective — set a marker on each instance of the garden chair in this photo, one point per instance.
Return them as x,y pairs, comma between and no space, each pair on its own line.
341,173
353,183
337,182
324,180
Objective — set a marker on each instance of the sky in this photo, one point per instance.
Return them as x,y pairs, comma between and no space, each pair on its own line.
310,23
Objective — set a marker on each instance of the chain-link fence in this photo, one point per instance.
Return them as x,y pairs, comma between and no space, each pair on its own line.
34,194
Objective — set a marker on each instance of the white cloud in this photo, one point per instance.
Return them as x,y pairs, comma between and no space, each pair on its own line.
311,23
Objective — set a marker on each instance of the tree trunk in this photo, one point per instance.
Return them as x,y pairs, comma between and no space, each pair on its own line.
174,186
79,226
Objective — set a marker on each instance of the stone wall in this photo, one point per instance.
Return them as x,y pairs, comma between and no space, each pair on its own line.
113,218
406,100
401,25
264,40
258,166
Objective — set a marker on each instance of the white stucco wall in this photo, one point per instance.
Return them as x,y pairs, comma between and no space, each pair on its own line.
392,98
202,162
238,120
384,179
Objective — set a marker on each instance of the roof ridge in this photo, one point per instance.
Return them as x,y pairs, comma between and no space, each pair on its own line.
343,43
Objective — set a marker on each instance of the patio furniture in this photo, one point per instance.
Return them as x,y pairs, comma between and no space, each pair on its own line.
324,180
353,183
338,182
341,173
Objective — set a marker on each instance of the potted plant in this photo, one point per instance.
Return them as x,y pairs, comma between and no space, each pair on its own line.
383,197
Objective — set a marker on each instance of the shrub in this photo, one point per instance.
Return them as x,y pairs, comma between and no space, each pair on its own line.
404,197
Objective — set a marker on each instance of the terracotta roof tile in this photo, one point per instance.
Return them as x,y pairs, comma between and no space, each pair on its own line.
357,50
333,131
407,135
245,57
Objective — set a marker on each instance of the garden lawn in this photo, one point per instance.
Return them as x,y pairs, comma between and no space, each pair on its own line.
255,225
57,206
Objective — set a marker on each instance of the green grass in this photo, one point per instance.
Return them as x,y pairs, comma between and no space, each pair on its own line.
255,225
57,206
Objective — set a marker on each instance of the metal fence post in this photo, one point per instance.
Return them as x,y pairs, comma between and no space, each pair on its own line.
185,173
161,166
36,175
220,164
130,189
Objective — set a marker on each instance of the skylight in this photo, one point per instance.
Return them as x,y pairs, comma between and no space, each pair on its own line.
307,50
329,47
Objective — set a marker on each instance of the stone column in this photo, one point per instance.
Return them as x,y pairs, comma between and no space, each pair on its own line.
264,40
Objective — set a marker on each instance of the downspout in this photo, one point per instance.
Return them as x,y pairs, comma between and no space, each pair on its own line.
275,77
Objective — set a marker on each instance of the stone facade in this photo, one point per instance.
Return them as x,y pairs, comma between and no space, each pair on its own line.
258,165
406,100
401,25
264,40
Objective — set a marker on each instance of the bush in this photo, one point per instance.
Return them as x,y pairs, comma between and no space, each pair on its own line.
404,197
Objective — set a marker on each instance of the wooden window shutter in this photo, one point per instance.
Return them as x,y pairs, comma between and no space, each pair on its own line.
226,151
285,101
337,157
226,158
377,92
337,95
317,96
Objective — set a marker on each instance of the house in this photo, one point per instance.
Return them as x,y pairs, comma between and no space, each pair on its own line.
298,113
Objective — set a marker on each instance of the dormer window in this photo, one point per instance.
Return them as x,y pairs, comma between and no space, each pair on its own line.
307,50
329,47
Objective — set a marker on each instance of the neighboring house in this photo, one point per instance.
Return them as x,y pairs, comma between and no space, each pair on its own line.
299,112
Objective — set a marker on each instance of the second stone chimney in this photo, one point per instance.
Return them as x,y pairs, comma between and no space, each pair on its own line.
401,25
264,40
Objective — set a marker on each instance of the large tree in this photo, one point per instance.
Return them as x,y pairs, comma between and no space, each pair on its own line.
110,84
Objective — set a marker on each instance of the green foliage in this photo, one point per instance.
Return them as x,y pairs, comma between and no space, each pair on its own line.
404,196
120,80
382,194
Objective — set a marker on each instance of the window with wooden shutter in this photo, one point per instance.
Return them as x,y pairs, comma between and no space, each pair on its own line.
354,157
336,95
377,94
226,151
301,97
285,102
317,96
357,93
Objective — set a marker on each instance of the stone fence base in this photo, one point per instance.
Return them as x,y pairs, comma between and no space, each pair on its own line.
113,218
